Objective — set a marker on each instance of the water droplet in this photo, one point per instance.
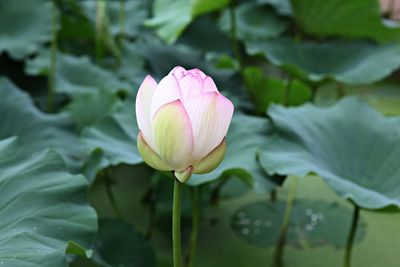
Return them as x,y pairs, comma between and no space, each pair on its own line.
309,212
257,222
34,228
245,231
314,217
1,262
38,250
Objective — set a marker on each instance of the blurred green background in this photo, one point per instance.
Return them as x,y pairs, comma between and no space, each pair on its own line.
69,73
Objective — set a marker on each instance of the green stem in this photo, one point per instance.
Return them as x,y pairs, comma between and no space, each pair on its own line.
110,194
121,20
100,24
53,55
340,90
285,224
272,195
194,197
176,224
216,193
287,90
235,43
352,234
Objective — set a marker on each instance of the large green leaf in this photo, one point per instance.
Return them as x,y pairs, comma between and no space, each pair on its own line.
349,62
118,244
351,19
171,17
35,129
24,26
254,22
246,136
76,75
354,148
115,135
44,213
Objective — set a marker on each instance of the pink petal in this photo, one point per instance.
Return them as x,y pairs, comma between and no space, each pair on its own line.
209,85
210,115
178,72
167,91
197,72
190,85
143,103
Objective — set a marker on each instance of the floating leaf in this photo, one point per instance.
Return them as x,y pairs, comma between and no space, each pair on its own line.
43,209
352,147
35,129
310,225
246,136
352,62
118,244
337,18
24,26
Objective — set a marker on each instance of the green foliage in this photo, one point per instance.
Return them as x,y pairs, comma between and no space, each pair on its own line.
254,22
43,208
171,17
267,90
351,19
357,153
37,130
348,62
118,244
24,26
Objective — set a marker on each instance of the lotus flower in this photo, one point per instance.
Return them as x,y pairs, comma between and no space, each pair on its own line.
183,122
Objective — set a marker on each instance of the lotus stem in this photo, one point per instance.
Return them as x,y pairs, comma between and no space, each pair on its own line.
176,224
100,21
285,224
110,194
235,43
194,196
350,238
53,55
121,20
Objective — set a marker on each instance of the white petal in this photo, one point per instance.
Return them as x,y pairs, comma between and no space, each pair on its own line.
167,91
143,106
210,115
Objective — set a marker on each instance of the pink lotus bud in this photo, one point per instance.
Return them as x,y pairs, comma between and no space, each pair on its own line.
183,122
